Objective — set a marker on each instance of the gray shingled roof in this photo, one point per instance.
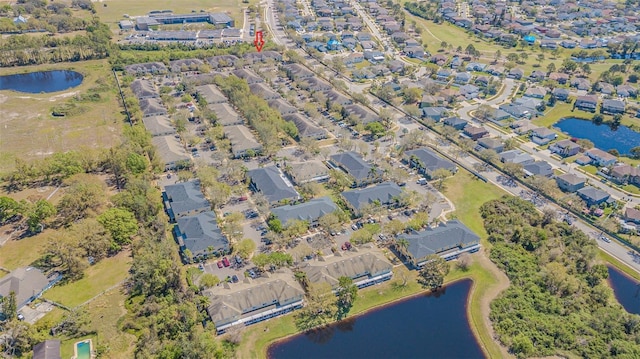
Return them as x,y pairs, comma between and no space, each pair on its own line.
186,197
158,125
143,89
211,94
353,164
355,266
308,211
199,232
25,282
305,127
170,149
592,194
48,349
439,239
228,304
429,160
271,182
384,193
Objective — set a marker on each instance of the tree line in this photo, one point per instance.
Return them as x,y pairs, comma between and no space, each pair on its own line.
558,302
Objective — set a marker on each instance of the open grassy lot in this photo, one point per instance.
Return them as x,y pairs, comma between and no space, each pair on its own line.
258,337
22,252
468,193
29,131
105,313
97,279
112,11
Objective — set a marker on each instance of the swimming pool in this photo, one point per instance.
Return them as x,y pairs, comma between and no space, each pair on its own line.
83,349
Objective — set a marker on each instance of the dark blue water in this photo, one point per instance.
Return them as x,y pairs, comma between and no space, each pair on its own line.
43,81
603,136
426,326
626,290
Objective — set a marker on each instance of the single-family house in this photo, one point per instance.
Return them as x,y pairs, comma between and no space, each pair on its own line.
625,173
184,199
626,91
565,148
569,182
601,158
538,168
364,265
535,92
542,135
309,211
581,84
474,132
273,184
253,300
434,113
469,91
490,144
560,77
593,196
27,283
587,103
383,194
200,237
48,349
561,94
462,78
427,161
447,240
455,122
516,156
515,74
613,107
632,215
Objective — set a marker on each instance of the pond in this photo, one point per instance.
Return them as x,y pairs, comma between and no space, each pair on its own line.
603,136
626,290
419,327
42,81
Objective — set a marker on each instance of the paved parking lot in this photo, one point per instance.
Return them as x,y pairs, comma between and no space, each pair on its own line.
33,313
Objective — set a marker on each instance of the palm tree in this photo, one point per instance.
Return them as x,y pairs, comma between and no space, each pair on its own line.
401,245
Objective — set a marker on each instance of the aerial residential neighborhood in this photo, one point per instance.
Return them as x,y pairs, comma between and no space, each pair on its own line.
205,180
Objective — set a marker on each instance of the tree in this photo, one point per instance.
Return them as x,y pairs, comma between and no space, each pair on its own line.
393,227
597,119
340,180
208,280
245,248
9,208
320,309
551,68
514,170
121,224
37,213
347,293
440,175
9,306
488,155
72,324
330,222
432,274
585,144
84,194
635,152
512,57
136,164
376,129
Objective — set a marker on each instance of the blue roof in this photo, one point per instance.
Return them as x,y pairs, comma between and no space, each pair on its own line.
530,38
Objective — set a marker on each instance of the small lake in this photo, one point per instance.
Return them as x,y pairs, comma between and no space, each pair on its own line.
42,81
425,326
626,290
603,136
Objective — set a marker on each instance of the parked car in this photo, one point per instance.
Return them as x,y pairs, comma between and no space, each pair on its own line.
220,265
346,246
225,261
243,198
234,278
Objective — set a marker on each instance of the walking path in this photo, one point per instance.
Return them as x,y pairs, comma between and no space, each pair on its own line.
492,293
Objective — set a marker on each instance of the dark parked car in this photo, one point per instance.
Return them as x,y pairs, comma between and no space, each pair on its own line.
234,278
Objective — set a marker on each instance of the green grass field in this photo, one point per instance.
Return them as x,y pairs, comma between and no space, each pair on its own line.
29,131
468,194
97,278
112,11
23,252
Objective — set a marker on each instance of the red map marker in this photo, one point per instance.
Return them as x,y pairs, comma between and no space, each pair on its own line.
258,42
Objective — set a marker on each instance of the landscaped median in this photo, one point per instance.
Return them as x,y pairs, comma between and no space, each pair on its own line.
257,338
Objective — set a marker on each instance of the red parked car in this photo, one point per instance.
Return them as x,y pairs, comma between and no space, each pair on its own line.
243,198
225,261
219,264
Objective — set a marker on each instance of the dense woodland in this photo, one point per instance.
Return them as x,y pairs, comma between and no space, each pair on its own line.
558,301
